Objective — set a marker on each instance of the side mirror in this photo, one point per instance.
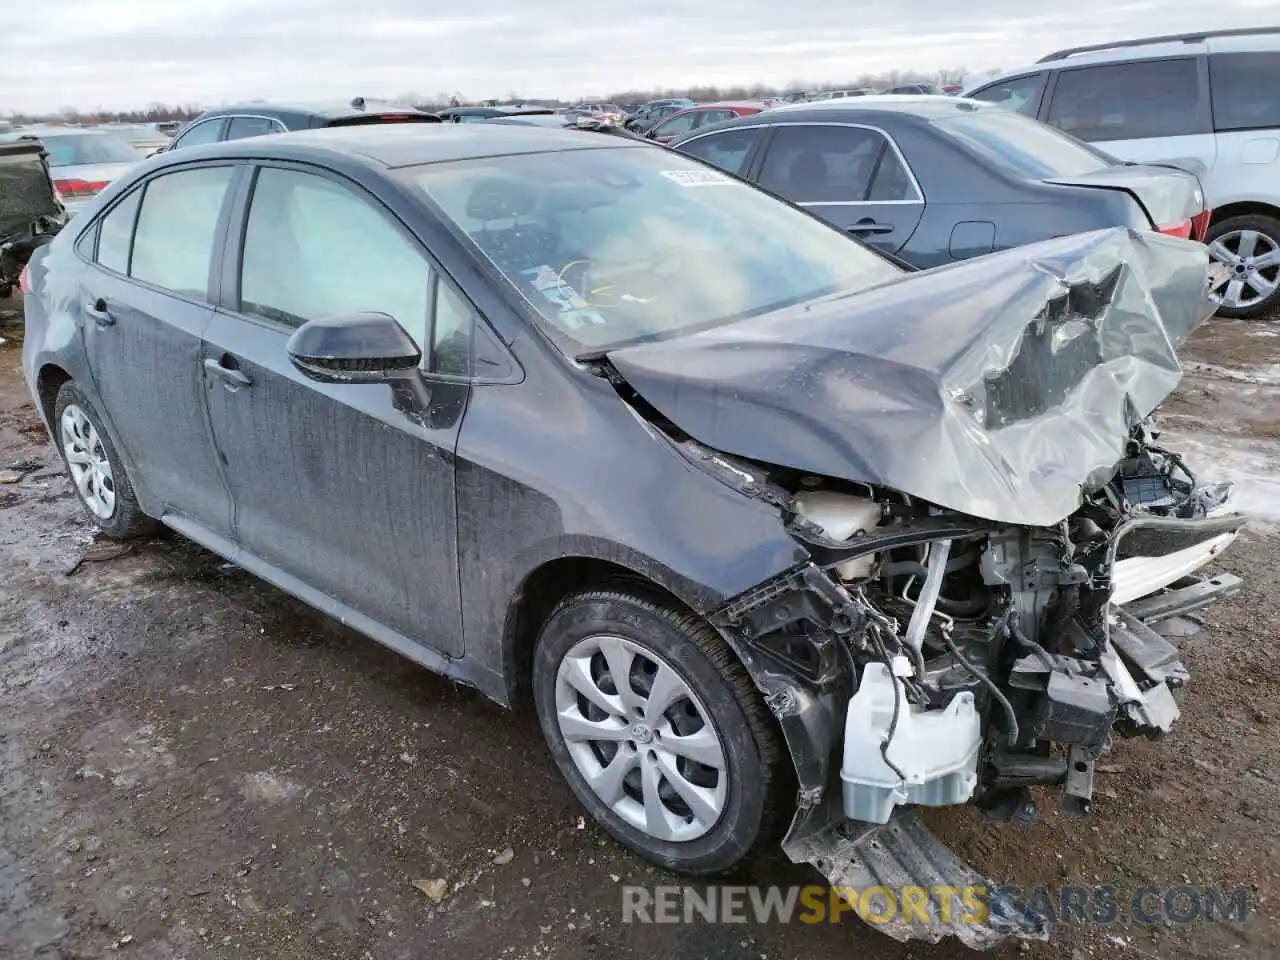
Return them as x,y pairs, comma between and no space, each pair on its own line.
365,348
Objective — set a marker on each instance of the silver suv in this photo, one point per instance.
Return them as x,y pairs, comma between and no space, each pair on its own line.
1204,101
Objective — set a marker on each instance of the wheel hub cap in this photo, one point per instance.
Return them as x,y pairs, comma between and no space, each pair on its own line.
1253,259
88,462
641,738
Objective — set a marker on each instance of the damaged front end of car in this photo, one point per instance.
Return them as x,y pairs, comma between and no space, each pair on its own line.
999,549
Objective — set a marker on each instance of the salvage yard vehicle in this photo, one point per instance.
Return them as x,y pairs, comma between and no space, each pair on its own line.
767,528
31,213
84,160
257,119
1204,100
703,115
936,179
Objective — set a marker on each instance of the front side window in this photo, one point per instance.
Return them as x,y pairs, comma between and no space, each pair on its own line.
1244,89
1021,146
73,149
728,150
314,247
822,164
241,127
1019,94
173,242
616,245
207,131
677,125
1137,100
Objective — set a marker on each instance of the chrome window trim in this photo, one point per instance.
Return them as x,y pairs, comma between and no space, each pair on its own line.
911,175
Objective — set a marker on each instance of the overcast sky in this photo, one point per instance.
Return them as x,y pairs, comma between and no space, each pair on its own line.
128,53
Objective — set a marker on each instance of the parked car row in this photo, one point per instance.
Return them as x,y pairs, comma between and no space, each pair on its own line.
1205,101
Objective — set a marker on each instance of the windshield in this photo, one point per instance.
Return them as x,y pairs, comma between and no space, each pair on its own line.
1022,146
615,246
73,149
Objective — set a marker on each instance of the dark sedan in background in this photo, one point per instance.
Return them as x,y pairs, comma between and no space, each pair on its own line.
703,115
256,119
936,179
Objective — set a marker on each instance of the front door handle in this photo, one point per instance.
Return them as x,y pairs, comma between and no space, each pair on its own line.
227,370
97,308
867,225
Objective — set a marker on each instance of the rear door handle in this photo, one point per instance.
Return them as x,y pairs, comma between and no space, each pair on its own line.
97,308
227,370
870,226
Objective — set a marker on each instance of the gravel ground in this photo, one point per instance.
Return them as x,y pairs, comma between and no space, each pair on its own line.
193,764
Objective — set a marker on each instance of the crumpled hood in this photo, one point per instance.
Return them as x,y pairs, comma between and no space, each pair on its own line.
997,387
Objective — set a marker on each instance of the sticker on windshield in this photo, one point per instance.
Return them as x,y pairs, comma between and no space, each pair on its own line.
697,178
572,311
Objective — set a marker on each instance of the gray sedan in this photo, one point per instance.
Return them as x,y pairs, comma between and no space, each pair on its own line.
937,179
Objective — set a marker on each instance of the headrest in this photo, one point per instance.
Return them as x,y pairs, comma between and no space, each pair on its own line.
500,198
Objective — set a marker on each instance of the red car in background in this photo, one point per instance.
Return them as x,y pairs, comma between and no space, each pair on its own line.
703,115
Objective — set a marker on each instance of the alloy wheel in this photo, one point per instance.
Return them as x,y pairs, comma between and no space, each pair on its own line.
1253,262
88,461
641,738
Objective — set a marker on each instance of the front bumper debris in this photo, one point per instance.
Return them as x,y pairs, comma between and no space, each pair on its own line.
906,883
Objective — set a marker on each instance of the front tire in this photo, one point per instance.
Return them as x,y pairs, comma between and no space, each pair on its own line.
1250,246
97,473
658,730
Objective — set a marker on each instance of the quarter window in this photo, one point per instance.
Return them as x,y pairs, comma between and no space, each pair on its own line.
1021,94
1244,89
1137,100
314,247
728,150
833,164
173,243
115,234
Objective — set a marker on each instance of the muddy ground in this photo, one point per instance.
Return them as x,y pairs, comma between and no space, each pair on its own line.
193,764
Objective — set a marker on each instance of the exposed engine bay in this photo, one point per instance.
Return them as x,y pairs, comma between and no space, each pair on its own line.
927,658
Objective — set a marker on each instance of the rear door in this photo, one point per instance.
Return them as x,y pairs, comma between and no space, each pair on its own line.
853,176
143,309
1142,111
331,483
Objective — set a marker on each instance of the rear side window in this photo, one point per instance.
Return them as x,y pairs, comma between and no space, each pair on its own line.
173,243
115,234
1021,146
241,127
830,164
728,150
1137,100
1245,91
1020,94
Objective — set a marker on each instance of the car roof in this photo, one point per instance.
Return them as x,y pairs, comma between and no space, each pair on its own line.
328,110
921,106
727,103
1148,48
51,131
407,145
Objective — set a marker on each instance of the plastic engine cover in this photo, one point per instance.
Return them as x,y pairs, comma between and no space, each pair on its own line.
936,750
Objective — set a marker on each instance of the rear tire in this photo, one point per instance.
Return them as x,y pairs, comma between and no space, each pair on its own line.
1250,246
683,695
97,473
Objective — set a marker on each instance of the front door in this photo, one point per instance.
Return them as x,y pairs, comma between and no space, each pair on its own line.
143,312
852,176
331,483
